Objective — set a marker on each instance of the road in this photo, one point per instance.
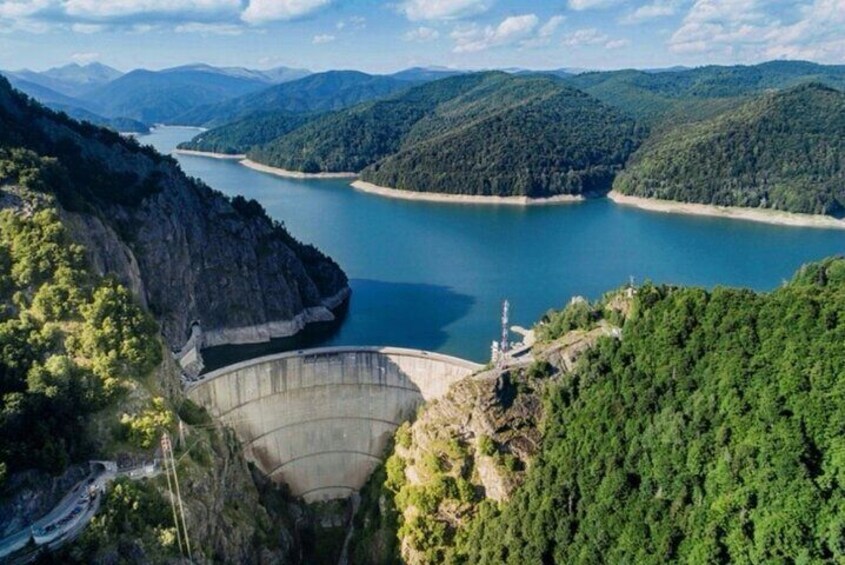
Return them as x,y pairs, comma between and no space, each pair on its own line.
70,516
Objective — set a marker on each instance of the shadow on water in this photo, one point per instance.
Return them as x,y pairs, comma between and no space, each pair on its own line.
378,313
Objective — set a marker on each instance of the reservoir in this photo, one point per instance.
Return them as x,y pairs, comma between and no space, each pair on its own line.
433,276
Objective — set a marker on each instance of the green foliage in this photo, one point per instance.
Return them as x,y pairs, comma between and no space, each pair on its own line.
131,512
403,435
193,414
486,446
712,432
117,335
578,315
68,341
144,429
783,151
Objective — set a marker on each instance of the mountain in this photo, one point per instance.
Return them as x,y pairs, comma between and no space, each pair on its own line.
276,75
483,133
782,151
171,239
426,74
690,94
74,108
109,254
161,96
241,136
658,425
315,93
71,80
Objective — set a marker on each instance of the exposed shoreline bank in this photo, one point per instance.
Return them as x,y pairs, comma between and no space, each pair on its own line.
735,213
463,198
294,174
210,155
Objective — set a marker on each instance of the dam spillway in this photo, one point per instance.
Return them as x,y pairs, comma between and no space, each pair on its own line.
319,420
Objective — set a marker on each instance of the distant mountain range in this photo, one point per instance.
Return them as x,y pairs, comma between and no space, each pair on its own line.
320,92
101,94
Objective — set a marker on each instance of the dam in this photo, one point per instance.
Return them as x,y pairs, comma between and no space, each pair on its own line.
319,420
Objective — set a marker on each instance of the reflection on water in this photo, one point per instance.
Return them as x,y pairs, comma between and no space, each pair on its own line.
397,314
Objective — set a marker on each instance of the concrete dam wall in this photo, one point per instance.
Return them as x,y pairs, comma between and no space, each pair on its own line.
319,420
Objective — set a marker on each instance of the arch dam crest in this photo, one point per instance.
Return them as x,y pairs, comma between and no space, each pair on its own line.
320,420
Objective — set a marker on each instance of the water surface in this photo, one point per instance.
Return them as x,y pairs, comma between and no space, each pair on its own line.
433,276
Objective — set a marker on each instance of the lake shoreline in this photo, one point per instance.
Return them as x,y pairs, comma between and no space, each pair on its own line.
294,174
371,188
210,155
775,217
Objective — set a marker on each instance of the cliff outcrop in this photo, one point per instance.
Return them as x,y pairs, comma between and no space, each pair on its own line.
188,252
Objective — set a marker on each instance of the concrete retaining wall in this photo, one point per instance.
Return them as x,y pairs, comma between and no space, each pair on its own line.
320,419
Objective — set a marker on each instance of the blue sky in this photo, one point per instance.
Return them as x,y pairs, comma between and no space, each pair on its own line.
385,35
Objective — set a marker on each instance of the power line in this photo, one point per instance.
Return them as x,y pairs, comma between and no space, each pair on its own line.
164,442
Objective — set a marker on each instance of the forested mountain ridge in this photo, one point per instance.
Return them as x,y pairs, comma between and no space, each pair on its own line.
782,151
171,239
708,430
482,133
702,92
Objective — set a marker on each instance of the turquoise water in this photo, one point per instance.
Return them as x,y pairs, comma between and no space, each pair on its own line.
433,276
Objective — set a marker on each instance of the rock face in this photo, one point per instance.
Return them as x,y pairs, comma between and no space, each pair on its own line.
188,252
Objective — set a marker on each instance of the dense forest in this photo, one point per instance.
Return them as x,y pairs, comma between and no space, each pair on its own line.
484,133
240,136
784,151
711,431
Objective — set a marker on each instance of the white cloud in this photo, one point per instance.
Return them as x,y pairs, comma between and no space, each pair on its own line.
588,36
550,27
210,29
750,30
260,11
323,38
422,34
443,9
98,9
617,44
84,58
579,5
657,9
470,39
88,28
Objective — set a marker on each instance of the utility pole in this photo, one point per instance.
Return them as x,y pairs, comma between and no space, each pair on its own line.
504,346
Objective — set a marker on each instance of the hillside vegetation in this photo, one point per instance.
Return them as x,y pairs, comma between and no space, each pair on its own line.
710,432
484,133
240,136
784,151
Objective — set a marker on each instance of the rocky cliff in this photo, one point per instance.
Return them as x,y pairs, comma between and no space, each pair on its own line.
189,253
